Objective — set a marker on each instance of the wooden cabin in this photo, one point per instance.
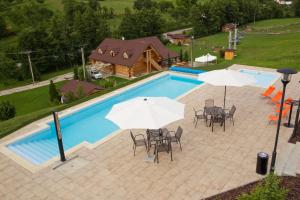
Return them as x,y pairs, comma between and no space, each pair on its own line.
131,58
179,39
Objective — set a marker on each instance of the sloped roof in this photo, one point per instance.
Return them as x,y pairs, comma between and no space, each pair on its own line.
133,48
72,86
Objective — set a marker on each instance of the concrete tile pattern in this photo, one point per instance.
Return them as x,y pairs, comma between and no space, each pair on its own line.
210,163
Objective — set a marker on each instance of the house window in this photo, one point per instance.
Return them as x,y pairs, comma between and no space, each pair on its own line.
112,53
125,55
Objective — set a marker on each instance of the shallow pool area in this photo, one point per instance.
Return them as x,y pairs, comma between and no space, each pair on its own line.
89,124
263,78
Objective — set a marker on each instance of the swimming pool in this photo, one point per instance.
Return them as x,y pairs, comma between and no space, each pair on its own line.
89,124
263,78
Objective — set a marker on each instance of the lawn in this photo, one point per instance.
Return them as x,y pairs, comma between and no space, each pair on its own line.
34,104
263,50
14,83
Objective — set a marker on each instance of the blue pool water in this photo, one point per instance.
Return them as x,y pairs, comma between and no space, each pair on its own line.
89,124
263,79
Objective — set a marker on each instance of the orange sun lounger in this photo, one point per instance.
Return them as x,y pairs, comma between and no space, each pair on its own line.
277,97
268,91
274,118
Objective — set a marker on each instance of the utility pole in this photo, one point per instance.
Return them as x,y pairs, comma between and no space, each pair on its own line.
30,65
235,36
192,41
83,62
230,36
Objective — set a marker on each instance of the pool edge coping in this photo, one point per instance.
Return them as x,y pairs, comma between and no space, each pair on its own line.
43,123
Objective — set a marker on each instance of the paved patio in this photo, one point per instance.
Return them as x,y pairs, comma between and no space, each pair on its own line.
210,163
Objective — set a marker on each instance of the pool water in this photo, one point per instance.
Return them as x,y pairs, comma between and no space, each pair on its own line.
89,124
263,79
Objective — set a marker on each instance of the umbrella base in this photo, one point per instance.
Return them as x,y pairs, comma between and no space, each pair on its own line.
149,158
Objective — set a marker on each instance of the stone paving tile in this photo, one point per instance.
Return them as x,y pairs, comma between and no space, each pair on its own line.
210,163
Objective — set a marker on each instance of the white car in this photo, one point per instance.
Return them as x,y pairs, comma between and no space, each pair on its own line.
96,75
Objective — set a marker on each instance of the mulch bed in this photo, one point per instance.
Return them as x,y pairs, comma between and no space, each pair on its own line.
296,137
288,182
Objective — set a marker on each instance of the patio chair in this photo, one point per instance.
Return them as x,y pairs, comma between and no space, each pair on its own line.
275,118
176,137
230,114
163,145
199,115
268,91
209,103
138,142
152,134
277,97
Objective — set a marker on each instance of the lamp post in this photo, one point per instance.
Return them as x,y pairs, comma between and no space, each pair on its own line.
286,78
192,41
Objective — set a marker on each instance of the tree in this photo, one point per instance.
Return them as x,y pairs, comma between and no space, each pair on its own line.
75,72
53,93
186,56
3,30
296,7
181,55
7,110
144,4
142,23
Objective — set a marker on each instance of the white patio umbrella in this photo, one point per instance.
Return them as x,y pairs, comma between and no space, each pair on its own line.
226,77
146,113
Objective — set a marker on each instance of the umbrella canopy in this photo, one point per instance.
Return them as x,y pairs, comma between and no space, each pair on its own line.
146,113
206,58
227,77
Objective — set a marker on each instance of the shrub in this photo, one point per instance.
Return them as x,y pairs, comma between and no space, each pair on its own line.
186,56
269,190
75,73
222,53
53,93
7,110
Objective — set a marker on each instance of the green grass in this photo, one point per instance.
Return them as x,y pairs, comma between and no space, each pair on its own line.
30,100
12,83
274,22
263,50
34,104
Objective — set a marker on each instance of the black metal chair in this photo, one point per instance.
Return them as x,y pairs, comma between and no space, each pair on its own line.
199,115
152,134
138,142
163,144
177,136
230,114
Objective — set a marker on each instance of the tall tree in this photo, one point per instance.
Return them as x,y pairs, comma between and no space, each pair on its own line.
142,23
296,6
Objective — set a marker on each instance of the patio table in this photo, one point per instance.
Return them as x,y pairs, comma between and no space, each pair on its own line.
216,114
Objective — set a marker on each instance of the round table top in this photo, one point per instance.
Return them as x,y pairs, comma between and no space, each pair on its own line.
294,102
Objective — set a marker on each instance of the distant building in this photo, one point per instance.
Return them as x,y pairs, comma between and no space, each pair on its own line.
131,57
228,27
73,85
179,38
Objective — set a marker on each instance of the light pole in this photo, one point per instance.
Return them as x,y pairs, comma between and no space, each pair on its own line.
286,78
192,41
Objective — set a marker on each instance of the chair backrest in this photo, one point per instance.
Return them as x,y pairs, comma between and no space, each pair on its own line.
133,138
269,90
178,133
232,110
277,97
209,103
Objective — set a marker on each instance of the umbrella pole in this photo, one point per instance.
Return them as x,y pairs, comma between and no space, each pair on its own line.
224,97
